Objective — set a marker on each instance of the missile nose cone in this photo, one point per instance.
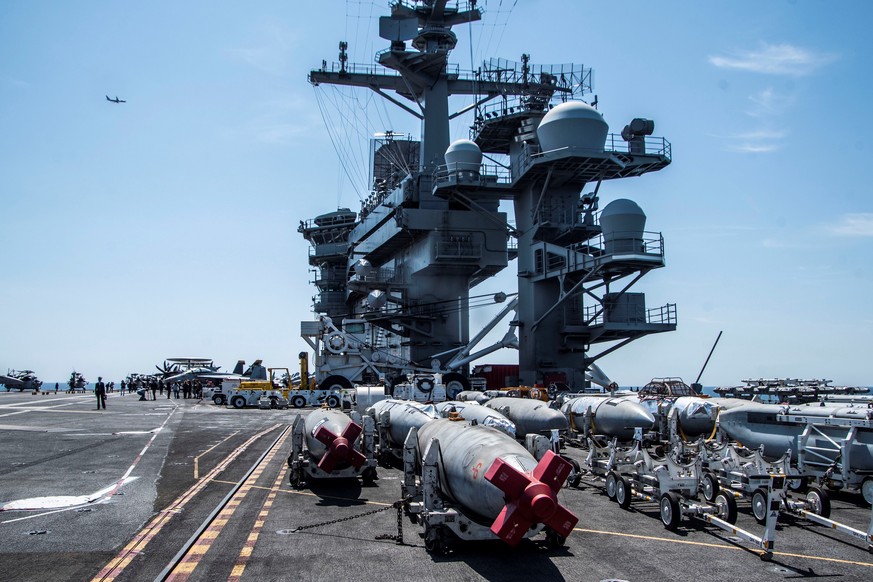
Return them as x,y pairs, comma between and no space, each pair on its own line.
341,448
543,506
642,418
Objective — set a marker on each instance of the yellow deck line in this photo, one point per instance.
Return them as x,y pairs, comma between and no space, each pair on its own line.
722,546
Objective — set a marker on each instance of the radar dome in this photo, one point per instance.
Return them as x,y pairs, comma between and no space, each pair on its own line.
623,223
363,268
463,154
573,124
376,299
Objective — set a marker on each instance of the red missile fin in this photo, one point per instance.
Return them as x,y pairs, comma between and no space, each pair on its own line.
531,498
339,448
552,470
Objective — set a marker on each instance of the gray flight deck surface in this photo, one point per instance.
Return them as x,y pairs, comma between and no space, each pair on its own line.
59,445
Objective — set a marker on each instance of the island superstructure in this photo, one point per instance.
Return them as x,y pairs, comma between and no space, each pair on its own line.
394,280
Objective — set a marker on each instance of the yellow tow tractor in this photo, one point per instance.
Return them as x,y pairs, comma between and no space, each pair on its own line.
308,394
269,391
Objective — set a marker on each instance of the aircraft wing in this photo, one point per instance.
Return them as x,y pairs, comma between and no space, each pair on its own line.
10,382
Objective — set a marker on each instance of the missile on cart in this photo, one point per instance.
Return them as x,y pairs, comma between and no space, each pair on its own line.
777,428
399,416
529,416
491,475
474,412
472,396
330,438
696,415
611,416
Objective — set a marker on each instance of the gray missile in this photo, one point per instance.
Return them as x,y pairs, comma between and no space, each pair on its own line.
492,476
611,416
472,411
756,425
472,395
330,439
696,415
401,416
530,416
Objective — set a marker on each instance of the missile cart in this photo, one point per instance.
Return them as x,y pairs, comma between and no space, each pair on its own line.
320,449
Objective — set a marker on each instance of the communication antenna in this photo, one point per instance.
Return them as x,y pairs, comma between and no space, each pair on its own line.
696,385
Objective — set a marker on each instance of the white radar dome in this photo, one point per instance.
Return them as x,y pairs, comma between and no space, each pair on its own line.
573,124
464,155
376,299
623,223
363,268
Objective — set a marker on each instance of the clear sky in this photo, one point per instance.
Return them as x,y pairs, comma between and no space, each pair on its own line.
166,226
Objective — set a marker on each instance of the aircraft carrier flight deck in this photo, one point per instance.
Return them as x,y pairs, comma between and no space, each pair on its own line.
184,489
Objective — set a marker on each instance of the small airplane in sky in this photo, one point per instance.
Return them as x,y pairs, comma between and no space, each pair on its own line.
116,100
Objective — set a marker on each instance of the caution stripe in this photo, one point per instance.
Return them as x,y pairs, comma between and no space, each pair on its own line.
145,535
246,551
191,559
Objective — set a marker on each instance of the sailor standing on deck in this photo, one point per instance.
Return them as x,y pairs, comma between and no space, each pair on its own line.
100,392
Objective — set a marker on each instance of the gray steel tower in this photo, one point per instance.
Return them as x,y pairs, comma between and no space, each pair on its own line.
431,229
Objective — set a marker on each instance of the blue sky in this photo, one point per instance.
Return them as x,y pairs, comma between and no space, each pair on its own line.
166,226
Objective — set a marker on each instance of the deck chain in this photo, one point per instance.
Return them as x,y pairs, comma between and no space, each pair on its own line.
397,505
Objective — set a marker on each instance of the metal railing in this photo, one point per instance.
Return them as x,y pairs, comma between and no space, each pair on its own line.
473,174
594,315
458,251
619,242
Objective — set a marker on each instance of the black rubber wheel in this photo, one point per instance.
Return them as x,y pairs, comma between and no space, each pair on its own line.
611,478
622,492
759,505
710,487
819,502
298,401
335,382
575,476
554,540
727,506
274,403
238,402
369,477
671,513
867,490
435,541
333,401
218,400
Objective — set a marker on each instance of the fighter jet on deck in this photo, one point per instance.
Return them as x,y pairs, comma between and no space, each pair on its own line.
116,100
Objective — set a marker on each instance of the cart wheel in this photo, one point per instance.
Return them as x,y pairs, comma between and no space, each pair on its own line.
435,541
238,402
710,487
610,485
333,401
798,484
299,401
819,502
576,475
867,490
671,513
554,540
218,400
369,477
727,506
622,492
759,505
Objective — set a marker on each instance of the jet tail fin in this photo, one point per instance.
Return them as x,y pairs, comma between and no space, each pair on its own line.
240,366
